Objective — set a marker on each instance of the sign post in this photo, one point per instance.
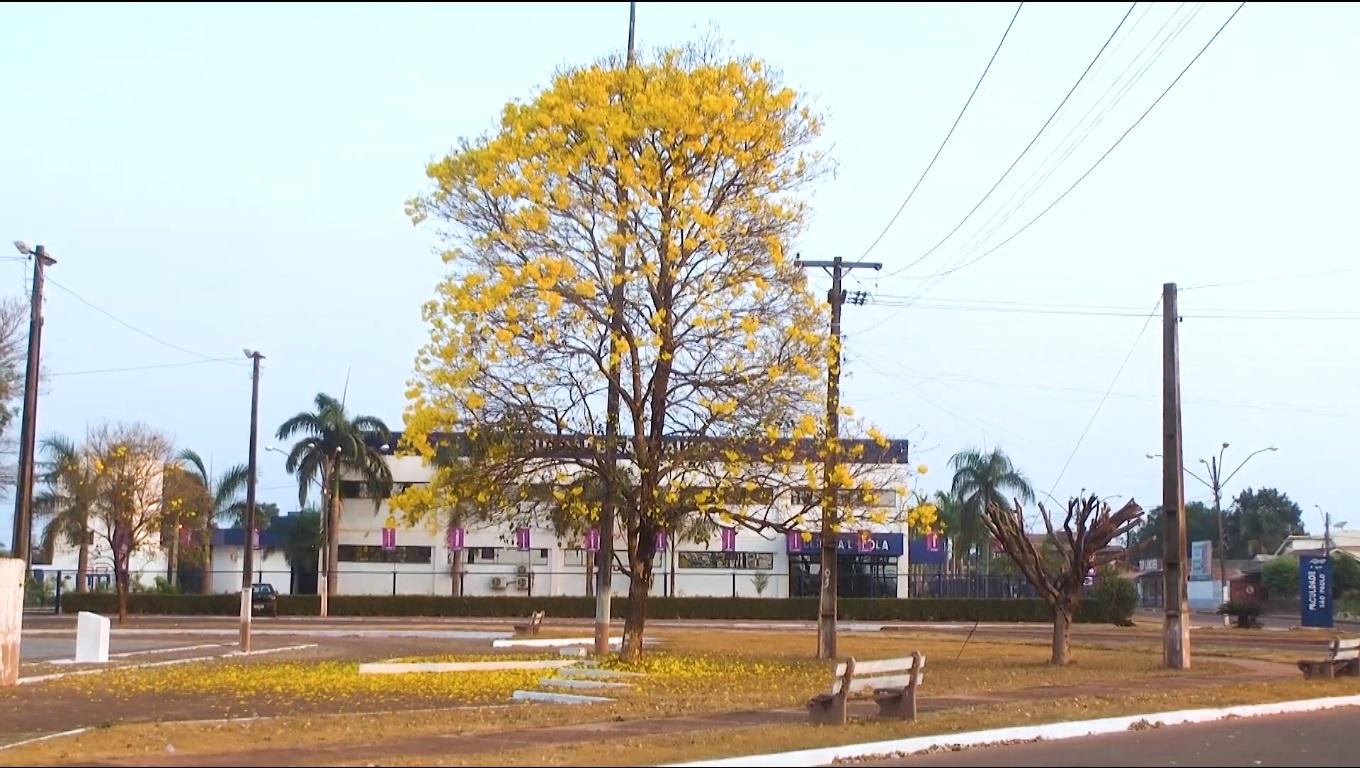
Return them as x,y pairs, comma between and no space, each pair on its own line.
1315,591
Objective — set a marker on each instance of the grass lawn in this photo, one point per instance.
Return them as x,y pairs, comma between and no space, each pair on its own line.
319,704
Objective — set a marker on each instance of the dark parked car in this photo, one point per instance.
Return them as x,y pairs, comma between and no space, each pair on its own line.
264,600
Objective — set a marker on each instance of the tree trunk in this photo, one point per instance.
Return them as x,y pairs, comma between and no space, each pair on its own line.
172,569
672,554
1062,635
590,574
83,562
207,564
333,535
456,571
639,587
120,576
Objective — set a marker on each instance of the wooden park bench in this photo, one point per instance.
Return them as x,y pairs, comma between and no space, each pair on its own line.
891,682
1343,658
532,626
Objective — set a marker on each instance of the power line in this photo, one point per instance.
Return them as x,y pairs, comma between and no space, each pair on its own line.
1271,279
989,229
947,136
1024,151
133,328
142,367
1107,152
1106,396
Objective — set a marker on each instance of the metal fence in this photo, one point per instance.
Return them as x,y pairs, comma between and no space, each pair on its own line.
47,586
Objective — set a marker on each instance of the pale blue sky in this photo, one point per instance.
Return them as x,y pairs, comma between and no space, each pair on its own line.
231,176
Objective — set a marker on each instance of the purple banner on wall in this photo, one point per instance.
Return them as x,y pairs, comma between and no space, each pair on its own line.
729,539
522,540
661,540
593,540
927,550
456,539
389,539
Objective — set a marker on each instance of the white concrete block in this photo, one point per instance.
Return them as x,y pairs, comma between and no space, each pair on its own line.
12,574
92,638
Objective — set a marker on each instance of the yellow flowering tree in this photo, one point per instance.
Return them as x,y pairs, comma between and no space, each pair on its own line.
129,462
676,181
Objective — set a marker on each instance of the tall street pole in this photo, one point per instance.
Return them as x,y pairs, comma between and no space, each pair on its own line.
23,501
826,606
247,577
1176,627
604,567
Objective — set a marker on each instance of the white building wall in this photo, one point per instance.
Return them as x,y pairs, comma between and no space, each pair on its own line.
558,571
269,568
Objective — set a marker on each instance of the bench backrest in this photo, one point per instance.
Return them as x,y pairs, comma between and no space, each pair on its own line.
868,676
1345,650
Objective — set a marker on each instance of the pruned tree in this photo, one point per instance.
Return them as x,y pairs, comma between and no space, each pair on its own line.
676,181
129,462
1081,544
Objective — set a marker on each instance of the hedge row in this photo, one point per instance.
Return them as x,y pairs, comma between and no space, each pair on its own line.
798,608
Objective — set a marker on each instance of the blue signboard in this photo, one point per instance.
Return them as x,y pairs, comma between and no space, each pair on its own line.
927,549
1315,591
850,544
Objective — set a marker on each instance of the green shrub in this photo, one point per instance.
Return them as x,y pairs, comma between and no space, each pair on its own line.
1280,577
747,608
1244,611
1117,594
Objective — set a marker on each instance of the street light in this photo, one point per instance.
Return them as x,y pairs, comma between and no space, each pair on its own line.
1215,484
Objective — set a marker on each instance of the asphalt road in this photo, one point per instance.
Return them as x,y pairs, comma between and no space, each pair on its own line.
1310,739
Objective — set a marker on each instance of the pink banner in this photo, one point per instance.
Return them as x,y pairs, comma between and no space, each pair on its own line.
593,540
522,540
661,541
389,539
456,539
729,539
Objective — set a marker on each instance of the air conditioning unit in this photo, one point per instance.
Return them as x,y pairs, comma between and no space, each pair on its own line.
521,570
498,582
522,583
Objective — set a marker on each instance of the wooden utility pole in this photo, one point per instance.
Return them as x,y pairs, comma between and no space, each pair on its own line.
1176,628
826,613
23,496
604,566
247,576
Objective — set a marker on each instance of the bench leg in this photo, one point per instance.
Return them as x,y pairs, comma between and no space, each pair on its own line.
827,710
897,704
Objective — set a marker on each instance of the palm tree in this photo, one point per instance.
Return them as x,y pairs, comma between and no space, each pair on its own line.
222,497
950,513
334,446
981,479
68,500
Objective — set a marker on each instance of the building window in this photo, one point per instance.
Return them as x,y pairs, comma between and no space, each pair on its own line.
742,561
368,553
506,555
354,489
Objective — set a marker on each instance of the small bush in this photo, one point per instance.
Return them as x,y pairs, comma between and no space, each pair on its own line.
1118,595
1244,612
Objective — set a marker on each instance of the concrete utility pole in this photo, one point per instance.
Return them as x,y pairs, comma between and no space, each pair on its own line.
247,575
1176,629
826,614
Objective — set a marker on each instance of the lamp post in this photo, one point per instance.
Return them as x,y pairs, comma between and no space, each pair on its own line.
1215,484
246,575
